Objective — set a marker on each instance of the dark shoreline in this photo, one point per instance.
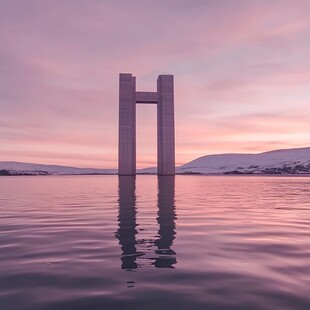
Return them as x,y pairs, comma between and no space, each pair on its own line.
154,174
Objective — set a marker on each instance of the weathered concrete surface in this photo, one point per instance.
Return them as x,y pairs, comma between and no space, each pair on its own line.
165,126
146,97
127,125
164,98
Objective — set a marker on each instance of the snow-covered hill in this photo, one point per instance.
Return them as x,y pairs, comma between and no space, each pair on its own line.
18,168
290,161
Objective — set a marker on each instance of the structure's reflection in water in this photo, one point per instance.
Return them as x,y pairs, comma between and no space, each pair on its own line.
127,232
127,220
166,221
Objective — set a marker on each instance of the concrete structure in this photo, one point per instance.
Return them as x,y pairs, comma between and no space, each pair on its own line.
128,98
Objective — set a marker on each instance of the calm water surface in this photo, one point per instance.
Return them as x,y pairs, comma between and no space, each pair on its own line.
189,242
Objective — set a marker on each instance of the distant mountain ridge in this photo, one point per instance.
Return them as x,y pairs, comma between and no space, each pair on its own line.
19,168
287,161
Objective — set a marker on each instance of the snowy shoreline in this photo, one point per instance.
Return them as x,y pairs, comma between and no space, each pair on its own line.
279,162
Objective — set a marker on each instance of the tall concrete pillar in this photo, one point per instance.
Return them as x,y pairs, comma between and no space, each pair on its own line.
127,125
164,98
165,126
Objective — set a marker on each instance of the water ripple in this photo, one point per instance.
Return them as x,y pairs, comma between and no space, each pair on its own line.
189,242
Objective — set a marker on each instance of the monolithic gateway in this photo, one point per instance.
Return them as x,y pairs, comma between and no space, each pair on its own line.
164,98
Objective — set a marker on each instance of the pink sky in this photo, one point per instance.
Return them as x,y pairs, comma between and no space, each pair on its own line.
242,76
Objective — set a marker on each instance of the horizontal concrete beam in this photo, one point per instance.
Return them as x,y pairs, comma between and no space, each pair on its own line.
146,97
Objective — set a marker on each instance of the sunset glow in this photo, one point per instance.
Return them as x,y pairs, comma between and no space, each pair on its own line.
242,76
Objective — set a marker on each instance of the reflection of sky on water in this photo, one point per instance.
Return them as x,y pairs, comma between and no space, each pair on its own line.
242,242
132,247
